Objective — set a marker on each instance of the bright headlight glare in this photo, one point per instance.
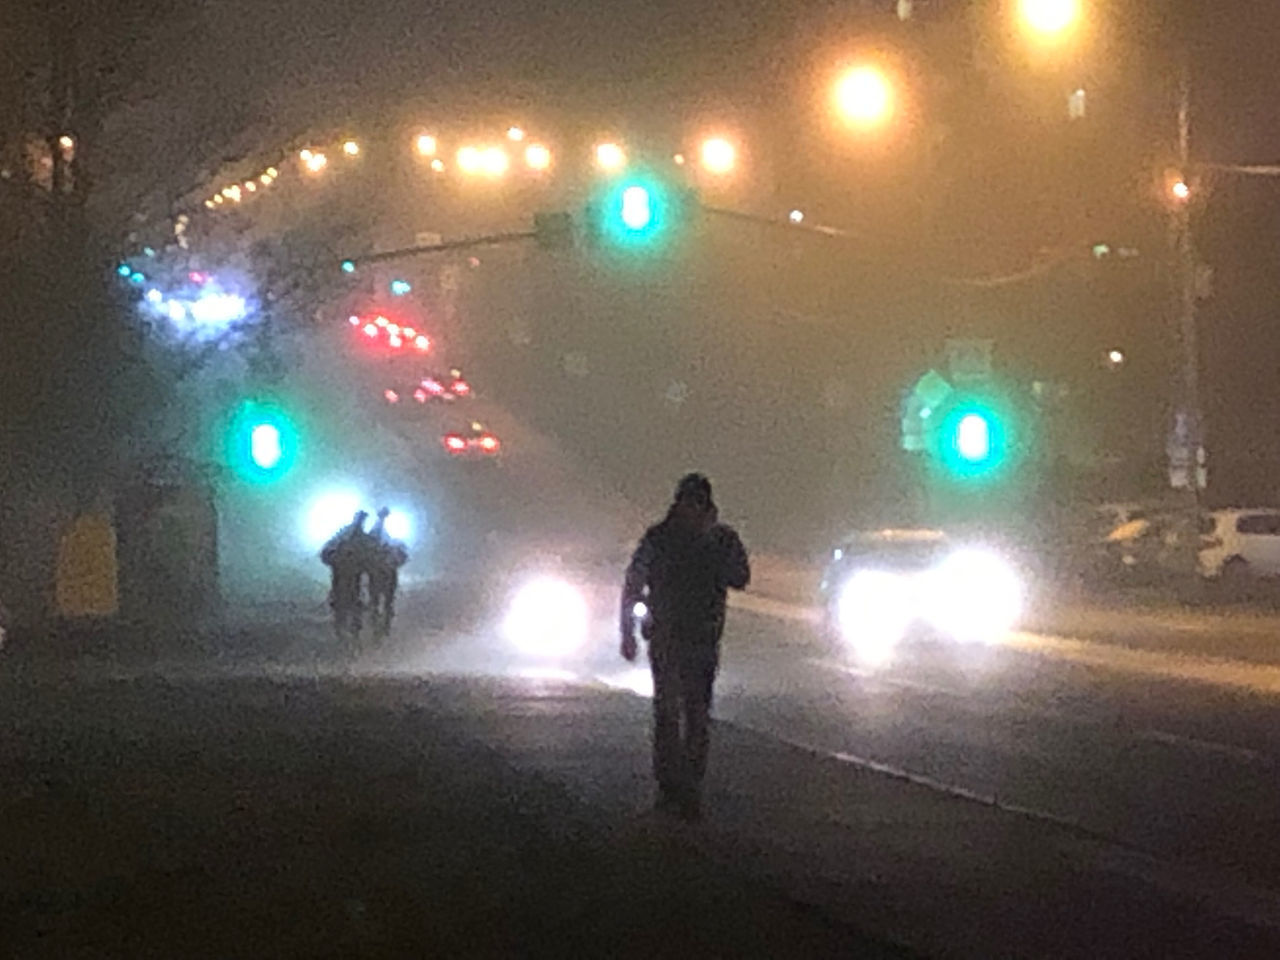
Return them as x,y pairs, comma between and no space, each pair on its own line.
547,617
873,612
974,595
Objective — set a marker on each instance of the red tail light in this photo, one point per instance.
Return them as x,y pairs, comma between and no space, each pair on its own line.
432,387
370,330
461,388
454,443
392,396
422,343
489,443
420,395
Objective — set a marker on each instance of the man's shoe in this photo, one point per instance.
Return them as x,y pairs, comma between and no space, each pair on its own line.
668,804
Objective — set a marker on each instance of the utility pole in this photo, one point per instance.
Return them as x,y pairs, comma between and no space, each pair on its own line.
1187,446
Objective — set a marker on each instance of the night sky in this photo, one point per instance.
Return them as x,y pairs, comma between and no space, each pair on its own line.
988,176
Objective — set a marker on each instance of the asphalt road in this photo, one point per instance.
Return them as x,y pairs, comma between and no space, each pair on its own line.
261,788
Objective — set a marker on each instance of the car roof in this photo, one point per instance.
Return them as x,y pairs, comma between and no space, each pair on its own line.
897,535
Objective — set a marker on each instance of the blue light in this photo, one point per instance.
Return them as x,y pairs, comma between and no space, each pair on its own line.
218,309
149,251
138,278
124,270
400,287
348,266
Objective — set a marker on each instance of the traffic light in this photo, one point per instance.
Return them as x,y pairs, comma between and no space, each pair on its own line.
638,211
262,443
974,439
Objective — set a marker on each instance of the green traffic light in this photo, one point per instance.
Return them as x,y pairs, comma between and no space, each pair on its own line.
973,441
973,438
637,208
265,446
637,211
262,443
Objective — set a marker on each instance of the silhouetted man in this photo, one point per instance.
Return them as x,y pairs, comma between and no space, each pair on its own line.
347,557
386,556
682,570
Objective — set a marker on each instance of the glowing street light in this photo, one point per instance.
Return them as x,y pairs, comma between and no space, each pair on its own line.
426,145
796,216
316,163
469,160
1050,19
1180,190
610,156
1115,357
437,165
515,134
66,142
537,157
494,161
718,156
351,148
864,96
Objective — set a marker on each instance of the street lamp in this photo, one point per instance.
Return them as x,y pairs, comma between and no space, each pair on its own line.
610,156
718,156
537,157
864,96
426,145
351,148
1050,19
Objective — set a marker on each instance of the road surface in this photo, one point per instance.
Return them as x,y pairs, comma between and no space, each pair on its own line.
1047,796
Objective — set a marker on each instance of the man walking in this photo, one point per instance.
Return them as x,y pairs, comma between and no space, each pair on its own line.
387,556
681,571
347,557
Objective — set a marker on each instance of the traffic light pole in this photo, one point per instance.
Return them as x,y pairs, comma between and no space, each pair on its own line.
467,243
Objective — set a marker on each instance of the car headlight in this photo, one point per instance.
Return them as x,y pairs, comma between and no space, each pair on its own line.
873,611
547,617
974,595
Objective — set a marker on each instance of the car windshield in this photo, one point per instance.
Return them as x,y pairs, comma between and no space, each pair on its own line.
639,478
895,554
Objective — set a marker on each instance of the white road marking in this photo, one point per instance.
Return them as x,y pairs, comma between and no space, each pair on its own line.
1214,671
1234,752
1152,735
1231,896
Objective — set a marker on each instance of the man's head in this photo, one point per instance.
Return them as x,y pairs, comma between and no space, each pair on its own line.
693,502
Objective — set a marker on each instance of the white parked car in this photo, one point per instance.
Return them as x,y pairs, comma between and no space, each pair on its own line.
1240,542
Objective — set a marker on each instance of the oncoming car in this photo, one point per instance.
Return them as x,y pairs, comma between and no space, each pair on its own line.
882,588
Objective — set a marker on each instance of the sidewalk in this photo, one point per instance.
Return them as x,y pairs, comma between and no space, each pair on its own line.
946,875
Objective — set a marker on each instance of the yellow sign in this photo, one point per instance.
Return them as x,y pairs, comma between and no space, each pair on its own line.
87,574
